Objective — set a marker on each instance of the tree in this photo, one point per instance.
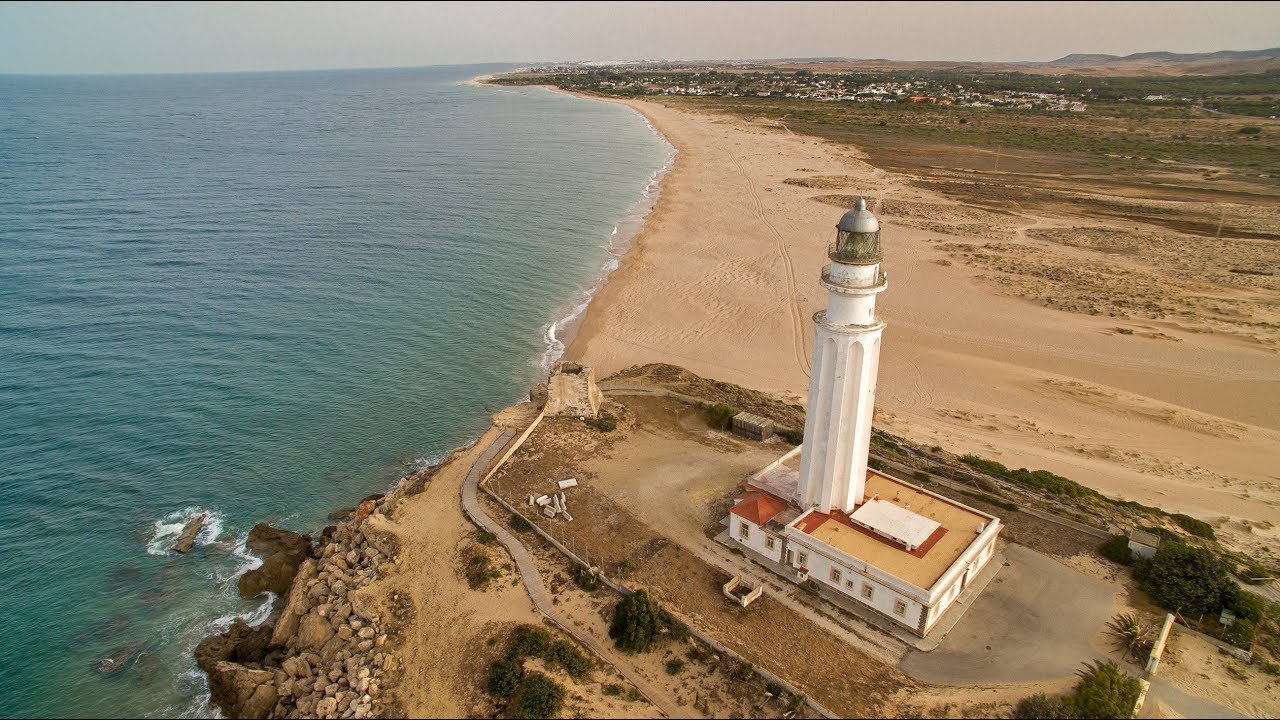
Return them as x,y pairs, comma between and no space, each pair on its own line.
1186,579
636,621
1103,692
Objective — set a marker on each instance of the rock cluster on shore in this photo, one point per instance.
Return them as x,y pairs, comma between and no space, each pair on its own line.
324,655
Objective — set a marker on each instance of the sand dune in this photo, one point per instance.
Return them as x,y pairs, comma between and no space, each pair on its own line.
723,280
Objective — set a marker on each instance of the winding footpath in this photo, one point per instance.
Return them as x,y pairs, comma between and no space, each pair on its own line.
529,572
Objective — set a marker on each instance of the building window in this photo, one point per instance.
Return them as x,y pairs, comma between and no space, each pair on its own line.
744,531
848,584
835,576
899,607
769,542
804,559
868,592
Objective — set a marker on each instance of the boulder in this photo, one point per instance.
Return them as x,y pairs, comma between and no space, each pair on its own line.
282,552
189,531
295,605
240,643
118,659
241,692
313,632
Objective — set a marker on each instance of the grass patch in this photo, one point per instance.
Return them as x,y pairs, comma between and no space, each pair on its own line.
674,666
518,523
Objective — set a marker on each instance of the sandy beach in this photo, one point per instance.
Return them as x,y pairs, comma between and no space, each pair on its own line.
723,281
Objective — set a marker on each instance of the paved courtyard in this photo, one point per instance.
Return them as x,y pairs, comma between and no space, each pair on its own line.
1033,622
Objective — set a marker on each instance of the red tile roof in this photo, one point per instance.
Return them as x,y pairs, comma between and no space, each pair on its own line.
758,507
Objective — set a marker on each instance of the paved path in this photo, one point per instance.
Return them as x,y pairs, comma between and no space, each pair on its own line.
1164,697
529,571
1034,622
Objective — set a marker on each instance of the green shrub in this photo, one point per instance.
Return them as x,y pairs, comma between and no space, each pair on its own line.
540,697
674,666
876,464
528,641
697,654
479,572
1251,572
676,630
1165,534
794,437
720,415
1241,633
518,523
584,578
636,621
1044,480
1186,579
775,689
1040,706
613,689
504,677
744,671
1199,528
1249,130
1103,692
486,538
1247,605
920,476
604,422
567,655
625,568
1117,550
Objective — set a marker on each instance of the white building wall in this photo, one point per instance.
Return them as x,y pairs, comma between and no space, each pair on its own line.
883,596
757,537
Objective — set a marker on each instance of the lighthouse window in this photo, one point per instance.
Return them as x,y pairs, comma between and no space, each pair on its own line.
744,531
770,542
899,607
868,592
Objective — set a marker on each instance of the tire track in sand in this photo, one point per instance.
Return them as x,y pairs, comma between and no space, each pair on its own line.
797,316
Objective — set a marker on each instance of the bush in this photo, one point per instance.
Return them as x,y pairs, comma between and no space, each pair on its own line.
1103,692
1248,606
486,538
1199,528
540,697
584,578
635,622
604,422
920,476
1186,579
744,671
567,655
518,523
794,437
1241,633
613,689
504,676
526,641
1251,572
720,415
1117,550
479,572
1040,706
674,666
1249,130
625,568
1036,479
775,689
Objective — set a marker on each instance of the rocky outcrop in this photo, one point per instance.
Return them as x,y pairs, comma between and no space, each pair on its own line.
118,659
189,531
281,552
325,655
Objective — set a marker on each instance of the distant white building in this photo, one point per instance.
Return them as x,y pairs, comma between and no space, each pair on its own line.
819,512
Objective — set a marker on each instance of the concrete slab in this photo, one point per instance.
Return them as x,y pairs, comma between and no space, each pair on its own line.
1033,622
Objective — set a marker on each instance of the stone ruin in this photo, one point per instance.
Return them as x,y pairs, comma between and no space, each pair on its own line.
572,390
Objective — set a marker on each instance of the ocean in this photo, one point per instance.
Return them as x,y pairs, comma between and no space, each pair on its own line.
261,296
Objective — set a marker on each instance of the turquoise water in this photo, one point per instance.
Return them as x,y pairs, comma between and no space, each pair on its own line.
263,296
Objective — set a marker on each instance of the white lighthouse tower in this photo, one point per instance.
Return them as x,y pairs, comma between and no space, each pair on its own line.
846,357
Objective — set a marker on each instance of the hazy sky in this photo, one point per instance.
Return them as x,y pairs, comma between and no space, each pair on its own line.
180,37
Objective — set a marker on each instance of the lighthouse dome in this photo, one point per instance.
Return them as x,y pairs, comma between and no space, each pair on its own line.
857,237
859,219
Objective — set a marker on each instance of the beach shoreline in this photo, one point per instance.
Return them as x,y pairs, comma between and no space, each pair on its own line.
721,280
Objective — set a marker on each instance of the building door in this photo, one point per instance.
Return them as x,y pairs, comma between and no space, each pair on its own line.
791,557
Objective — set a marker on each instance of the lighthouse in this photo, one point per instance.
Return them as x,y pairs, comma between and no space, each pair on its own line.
846,358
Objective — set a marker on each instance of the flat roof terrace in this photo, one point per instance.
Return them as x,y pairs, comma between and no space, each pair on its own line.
957,529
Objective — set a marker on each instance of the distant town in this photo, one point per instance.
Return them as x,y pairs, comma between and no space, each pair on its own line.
1246,95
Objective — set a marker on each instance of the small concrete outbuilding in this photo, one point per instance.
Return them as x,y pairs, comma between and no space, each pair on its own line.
1143,543
756,427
